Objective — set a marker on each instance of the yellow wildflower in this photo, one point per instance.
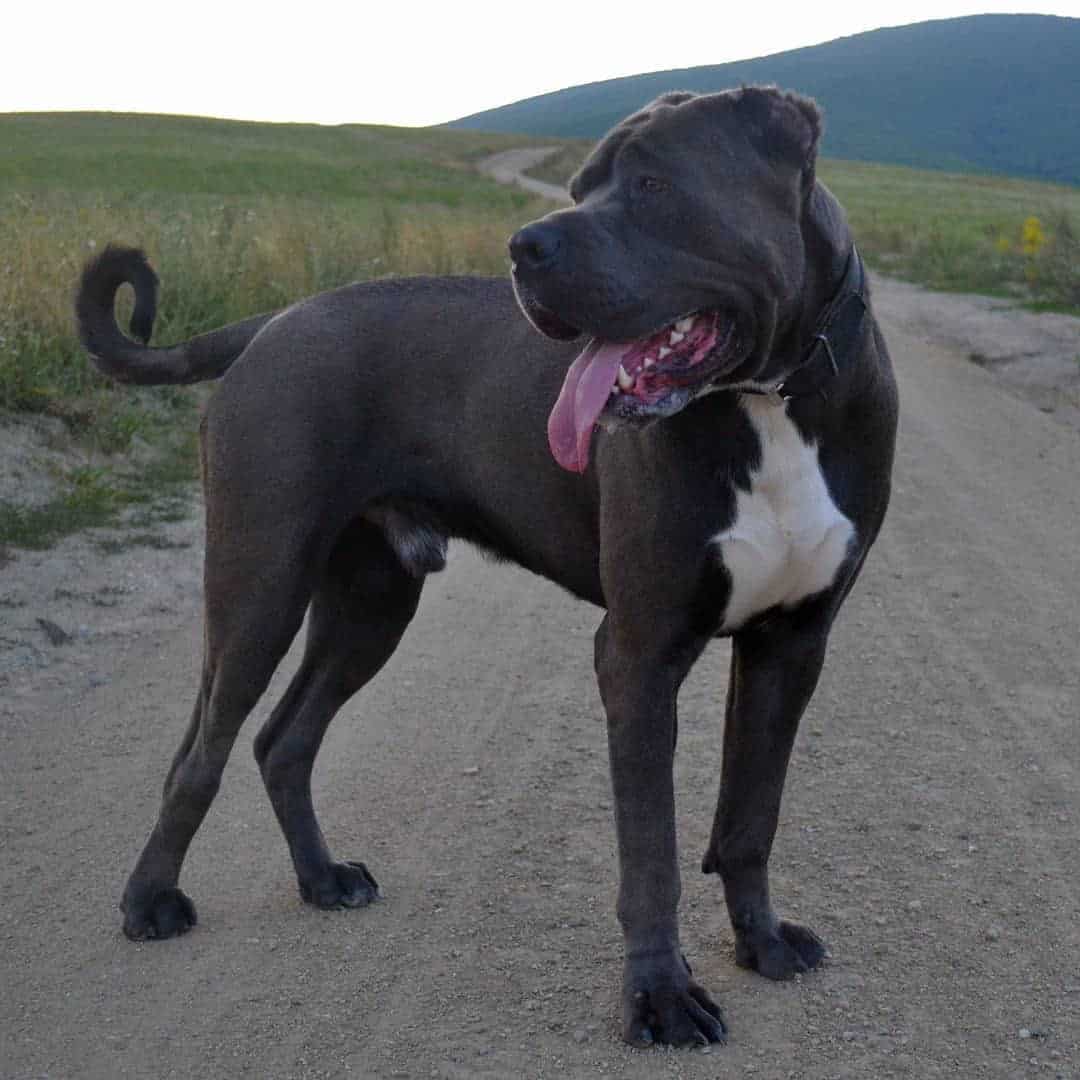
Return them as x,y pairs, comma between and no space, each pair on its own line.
1032,237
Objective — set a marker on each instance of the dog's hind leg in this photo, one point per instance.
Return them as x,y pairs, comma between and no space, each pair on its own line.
254,607
361,607
774,670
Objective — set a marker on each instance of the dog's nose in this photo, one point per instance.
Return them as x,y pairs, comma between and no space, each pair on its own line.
536,246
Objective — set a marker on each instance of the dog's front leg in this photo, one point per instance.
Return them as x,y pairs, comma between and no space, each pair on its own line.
660,1000
774,669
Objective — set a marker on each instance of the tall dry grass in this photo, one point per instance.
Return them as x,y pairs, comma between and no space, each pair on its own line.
237,218
219,261
964,233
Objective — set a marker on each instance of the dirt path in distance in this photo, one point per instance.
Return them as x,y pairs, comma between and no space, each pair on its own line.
511,166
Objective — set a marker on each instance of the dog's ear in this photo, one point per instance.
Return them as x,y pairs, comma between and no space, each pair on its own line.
646,112
604,152
782,124
674,97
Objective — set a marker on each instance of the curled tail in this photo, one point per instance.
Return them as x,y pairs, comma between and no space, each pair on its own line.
207,356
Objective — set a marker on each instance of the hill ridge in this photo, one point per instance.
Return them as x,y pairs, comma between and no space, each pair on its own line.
994,93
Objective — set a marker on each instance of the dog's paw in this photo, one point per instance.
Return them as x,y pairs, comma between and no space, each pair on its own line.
785,951
667,1007
347,884
163,914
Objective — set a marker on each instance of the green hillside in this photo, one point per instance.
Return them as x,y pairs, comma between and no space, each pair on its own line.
130,155
987,93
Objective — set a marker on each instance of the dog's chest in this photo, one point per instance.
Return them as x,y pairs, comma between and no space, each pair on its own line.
788,539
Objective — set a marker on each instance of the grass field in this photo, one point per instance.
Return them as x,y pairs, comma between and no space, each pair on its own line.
237,218
989,234
240,218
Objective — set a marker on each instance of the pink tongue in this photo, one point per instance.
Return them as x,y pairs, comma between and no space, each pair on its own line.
584,393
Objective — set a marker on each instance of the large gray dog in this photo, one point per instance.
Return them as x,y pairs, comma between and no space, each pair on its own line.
746,412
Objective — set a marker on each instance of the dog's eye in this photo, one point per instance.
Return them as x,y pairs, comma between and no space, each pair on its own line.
651,185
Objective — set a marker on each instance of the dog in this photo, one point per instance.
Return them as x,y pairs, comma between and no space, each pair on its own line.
717,463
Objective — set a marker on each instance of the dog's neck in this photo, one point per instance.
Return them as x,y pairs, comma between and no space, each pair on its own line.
827,236
833,341
835,300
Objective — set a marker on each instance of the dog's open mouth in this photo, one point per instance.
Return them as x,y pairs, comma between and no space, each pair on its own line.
636,379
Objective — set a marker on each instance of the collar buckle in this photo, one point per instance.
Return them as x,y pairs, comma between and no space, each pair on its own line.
823,338
839,322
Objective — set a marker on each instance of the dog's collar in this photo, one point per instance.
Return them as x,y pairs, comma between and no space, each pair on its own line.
834,333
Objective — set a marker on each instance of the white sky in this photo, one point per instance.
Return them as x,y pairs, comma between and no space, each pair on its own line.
394,63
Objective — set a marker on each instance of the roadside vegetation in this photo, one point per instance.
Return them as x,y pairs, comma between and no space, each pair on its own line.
237,218
965,233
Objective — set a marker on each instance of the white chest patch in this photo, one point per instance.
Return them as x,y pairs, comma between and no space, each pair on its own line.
788,538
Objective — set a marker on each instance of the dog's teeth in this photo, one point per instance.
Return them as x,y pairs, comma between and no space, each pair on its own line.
683,325
676,337
664,351
626,383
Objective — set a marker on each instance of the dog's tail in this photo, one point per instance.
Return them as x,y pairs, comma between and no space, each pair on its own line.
207,356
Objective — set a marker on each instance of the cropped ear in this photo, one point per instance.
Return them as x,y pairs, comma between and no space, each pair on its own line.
604,152
782,124
673,97
647,112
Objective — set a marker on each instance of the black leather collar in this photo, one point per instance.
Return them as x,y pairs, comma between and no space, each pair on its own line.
835,332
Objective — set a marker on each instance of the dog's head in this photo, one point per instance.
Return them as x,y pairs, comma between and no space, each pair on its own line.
681,260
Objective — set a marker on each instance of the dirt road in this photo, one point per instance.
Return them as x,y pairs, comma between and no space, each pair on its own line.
931,829
512,166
